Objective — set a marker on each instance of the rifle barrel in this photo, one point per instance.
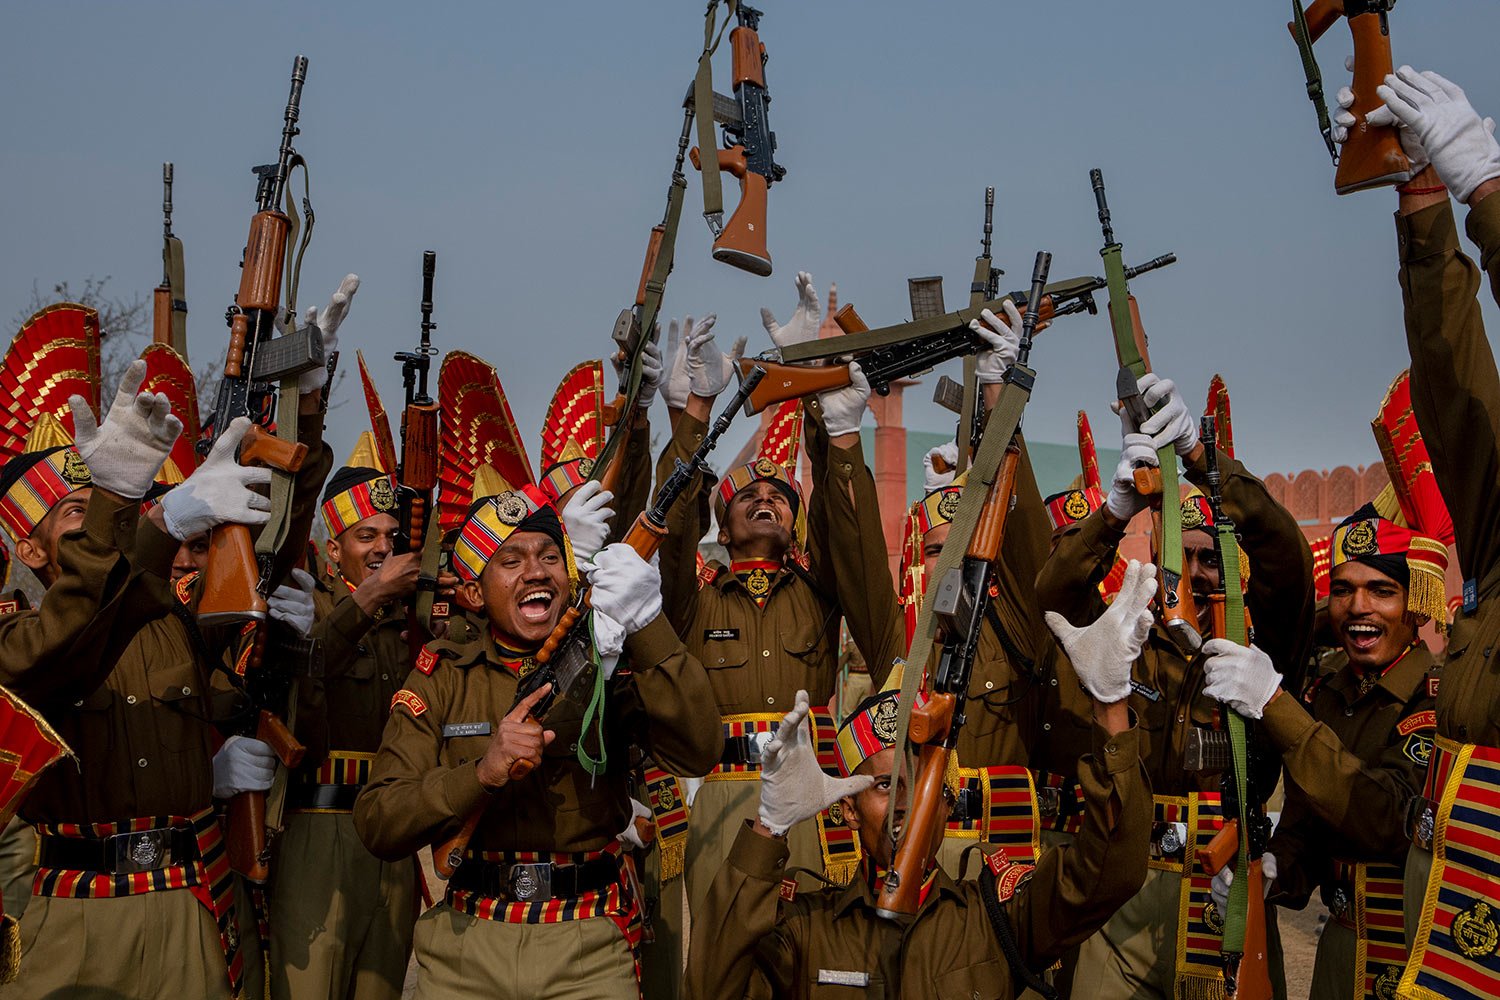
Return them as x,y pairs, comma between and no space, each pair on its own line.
289,131
1096,177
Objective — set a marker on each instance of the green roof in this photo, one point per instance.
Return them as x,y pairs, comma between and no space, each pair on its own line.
1056,465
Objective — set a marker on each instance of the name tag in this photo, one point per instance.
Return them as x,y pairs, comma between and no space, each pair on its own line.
1148,693
838,977
711,634
1471,596
452,729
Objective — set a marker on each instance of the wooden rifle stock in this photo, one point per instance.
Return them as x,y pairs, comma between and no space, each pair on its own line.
646,539
1252,977
419,472
245,821
1372,156
743,241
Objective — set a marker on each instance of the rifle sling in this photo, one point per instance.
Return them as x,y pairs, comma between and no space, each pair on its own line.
1234,631
1314,77
432,557
703,102
173,254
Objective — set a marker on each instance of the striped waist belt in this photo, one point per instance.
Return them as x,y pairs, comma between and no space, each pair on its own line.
1173,827
540,886
130,852
747,736
333,786
998,805
1059,802
1422,819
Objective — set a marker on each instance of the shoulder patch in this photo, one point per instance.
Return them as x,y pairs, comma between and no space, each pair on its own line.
9,607
427,660
183,588
1418,749
1432,687
1412,723
788,890
415,705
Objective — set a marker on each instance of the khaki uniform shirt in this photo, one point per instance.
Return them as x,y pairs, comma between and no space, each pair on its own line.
748,943
1005,691
365,662
1455,393
424,782
1353,764
1167,692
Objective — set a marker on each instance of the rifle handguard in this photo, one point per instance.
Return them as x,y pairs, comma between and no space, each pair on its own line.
901,893
269,729
245,836
231,578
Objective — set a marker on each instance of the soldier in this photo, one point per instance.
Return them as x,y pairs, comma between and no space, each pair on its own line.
1451,900
757,935
1127,957
341,919
541,876
1006,692
1357,756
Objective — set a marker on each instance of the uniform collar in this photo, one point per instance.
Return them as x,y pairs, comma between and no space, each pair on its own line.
1400,680
725,578
858,893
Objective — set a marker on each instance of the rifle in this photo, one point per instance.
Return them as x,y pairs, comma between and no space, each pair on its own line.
1178,611
1372,155
418,474
906,349
239,570
565,659
959,605
169,300
749,149
1243,839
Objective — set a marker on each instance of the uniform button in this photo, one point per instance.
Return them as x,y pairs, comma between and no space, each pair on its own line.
721,659
1348,711
573,747
130,699
1110,748
385,677
1054,682
187,690
1047,726
1182,718
989,685
78,703
770,701
361,648
141,762
765,652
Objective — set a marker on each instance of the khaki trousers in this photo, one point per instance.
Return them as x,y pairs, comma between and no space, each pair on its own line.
1333,966
661,961
341,919
719,810
156,945
460,957
1414,898
1134,955
17,865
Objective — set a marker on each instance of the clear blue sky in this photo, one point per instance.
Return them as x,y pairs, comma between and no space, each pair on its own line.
530,146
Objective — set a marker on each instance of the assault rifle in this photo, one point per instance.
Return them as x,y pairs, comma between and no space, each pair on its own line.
239,571
1178,611
749,150
906,349
169,300
959,605
566,659
1242,841
418,474
1372,156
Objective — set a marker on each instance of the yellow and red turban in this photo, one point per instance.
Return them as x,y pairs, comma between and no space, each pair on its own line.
31,484
1418,562
1072,506
353,494
491,520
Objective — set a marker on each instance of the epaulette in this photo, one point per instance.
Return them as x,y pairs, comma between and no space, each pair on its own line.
1432,682
1010,876
788,890
427,660
9,607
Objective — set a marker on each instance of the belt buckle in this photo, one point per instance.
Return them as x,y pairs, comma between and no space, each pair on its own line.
530,883
1338,905
755,746
1426,826
1049,801
1172,839
964,808
141,851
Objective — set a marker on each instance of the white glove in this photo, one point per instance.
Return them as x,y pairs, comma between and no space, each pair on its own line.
710,369
793,788
586,519
1172,424
844,409
1344,120
1124,500
243,764
294,604
1219,890
219,491
650,374
626,587
1004,339
1103,653
931,478
1459,143
328,322
805,319
609,642
631,835
679,381
124,453
1241,677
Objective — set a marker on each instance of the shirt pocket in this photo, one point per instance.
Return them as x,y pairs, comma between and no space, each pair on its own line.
804,641
980,981
724,654
179,704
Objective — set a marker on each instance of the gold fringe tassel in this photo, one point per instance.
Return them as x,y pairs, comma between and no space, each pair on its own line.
673,857
841,872
1199,988
10,949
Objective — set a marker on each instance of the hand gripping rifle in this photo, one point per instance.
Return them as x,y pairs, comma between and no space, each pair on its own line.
169,300
890,353
1177,609
958,608
1242,841
418,474
566,660
1372,156
238,573
749,147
